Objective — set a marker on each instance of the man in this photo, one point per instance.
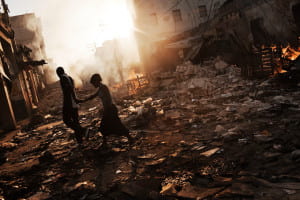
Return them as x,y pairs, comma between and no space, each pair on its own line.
70,106
110,123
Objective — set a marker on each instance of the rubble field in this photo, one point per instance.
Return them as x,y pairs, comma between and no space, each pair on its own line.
201,132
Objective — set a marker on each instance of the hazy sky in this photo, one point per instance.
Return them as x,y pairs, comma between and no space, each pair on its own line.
77,26
72,30
22,6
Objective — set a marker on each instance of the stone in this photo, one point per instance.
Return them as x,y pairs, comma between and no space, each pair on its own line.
219,129
172,114
193,192
210,152
155,162
39,196
295,154
169,189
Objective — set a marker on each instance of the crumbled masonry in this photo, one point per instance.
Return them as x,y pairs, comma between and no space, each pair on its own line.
222,138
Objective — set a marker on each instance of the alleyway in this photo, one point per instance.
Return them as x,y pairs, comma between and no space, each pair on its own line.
201,132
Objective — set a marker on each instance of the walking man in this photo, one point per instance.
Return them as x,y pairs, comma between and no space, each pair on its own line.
70,106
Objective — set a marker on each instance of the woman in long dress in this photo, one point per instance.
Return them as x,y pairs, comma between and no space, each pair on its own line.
110,123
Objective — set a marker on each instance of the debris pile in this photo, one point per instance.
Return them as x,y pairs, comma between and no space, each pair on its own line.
201,132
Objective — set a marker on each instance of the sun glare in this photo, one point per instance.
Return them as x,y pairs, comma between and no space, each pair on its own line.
112,20
120,20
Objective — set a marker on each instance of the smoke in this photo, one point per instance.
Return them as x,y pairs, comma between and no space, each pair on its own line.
75,31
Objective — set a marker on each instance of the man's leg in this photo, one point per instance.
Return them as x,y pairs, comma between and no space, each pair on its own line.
78,130
70,118
67,117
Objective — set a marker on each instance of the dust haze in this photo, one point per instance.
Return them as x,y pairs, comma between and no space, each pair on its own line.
86,37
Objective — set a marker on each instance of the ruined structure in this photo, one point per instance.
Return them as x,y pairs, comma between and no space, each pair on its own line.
158,21
251,34
28,32
31,46
19,81
8,71
242,32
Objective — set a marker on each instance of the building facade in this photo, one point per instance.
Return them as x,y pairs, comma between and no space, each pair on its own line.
165,18
28,32
19,77
160,20
8,70
31,46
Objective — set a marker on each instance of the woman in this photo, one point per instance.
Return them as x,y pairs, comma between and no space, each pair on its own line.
110,123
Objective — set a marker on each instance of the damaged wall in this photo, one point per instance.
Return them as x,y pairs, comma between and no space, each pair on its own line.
21,79
242,28
31,46
165,18
160,20
28,32
237,31
8,71
257,22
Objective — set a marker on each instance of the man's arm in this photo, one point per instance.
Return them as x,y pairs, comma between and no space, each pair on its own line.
68,85
74,96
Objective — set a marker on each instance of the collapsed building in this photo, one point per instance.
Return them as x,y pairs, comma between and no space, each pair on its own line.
158,21
20,81
259,36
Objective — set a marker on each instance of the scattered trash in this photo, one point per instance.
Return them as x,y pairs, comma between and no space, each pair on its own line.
296,154
48,116
219,129
210,152
198,147
147,156
265,133
172,114
168,190
243,141
92,109
155,162
8,145
39,196
193,132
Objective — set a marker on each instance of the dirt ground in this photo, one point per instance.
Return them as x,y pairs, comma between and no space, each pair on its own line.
198,135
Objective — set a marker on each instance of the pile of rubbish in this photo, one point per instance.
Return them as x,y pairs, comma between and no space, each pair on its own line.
201,132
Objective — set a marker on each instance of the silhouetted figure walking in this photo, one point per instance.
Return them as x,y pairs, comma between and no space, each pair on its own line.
70,106
110,123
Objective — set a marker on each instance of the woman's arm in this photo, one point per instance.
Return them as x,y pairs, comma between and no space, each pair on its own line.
90,97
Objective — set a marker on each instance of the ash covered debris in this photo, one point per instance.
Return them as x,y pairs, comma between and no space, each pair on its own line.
201,129
234,139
